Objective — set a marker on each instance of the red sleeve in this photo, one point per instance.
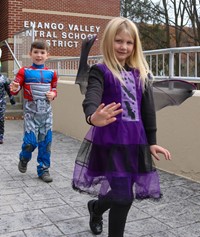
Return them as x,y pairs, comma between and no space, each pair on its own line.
20,79
54,83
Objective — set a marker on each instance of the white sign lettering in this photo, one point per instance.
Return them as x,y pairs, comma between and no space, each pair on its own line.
61,35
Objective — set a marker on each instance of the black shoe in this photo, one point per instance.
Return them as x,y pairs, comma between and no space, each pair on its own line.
96,221
22,166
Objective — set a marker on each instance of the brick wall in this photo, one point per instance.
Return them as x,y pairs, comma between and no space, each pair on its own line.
15,16
4,25
4,19
69,21
96,7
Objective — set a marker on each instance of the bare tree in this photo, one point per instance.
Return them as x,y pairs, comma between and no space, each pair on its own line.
178,20
141,12
193,11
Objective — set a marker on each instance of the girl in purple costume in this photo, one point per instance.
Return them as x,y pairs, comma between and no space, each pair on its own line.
114,161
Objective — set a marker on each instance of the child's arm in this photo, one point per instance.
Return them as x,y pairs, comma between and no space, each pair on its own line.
149,120
51,95
7,89
148,114
16,85
155,149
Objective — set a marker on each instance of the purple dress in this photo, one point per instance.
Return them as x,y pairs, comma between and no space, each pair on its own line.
116,157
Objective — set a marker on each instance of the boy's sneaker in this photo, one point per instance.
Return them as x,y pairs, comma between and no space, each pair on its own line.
1,141
22,166
46,177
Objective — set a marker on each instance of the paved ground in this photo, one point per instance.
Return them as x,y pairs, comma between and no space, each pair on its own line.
32,208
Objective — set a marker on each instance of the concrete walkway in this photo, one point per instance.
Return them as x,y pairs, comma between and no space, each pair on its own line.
32,208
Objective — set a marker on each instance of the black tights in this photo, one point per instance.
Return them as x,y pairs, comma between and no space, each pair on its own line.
117,214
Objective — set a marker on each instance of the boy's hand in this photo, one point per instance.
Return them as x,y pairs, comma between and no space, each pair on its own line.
14,86
50,95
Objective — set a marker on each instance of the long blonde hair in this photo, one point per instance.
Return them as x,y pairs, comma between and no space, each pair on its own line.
136,59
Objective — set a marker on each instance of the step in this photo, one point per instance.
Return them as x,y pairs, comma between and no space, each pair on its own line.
14,107
17,99
14,110
5,74
15,113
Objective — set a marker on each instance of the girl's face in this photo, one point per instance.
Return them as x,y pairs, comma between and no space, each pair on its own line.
39,56
123,46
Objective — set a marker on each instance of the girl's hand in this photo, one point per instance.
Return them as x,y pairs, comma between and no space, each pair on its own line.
105,115
50,95
14,86
155,149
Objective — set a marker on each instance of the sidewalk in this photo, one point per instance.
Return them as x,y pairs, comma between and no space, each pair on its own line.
31,208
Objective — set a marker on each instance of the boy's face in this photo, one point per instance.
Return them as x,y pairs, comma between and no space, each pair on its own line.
39,56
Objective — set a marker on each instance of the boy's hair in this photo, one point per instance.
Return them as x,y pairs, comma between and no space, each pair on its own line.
40,45
136,60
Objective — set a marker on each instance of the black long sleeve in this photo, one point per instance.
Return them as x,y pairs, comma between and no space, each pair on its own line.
7,89
94,91
148,114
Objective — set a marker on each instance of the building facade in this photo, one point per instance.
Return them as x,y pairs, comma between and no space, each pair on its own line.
62,23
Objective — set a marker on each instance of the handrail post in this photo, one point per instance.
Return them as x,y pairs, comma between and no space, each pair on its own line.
171,68
59,67
171,65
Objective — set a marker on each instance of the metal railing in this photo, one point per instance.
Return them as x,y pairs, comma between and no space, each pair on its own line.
175,63
171,63
68,67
